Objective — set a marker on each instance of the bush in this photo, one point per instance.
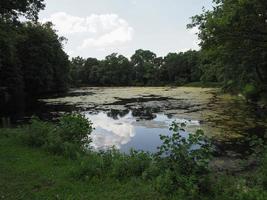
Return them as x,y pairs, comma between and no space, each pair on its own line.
164,182
152,171
36,133
91,166
75,128
56,145
251,92
185,159
132,165
69,137
185,155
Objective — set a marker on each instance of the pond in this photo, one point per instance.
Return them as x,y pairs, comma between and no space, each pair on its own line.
134,117
125,131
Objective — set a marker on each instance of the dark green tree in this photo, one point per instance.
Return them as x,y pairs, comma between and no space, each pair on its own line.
234,42
45,65
143,62
12,9
11,77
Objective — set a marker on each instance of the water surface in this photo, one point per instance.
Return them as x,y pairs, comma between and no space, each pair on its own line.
134,117
126,132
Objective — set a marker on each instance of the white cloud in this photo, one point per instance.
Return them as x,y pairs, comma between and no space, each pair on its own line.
118,36
100,31
67,24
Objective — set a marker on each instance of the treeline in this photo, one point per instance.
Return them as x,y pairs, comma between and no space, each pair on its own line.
143,68
32,60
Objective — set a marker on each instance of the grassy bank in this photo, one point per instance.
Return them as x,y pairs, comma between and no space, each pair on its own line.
28,173
35,169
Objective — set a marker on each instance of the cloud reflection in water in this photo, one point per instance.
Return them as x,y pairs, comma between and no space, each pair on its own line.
110,132
120,131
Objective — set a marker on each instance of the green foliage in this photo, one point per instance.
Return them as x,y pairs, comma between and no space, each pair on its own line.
48,73
161,174
234,44
180,164
75,128
32,60
144,68
164,183
92,166
183,160
132,165
36,134
70,137
12,9
11,77
250,91
185,155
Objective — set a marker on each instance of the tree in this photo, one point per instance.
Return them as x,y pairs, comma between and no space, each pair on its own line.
11,79
116,70
76,65
12,9
143,63
86,72
44,63
234,37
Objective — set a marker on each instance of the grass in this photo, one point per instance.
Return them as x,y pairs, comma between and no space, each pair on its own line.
30,173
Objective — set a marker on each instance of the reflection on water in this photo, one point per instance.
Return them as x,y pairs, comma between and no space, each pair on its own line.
124,131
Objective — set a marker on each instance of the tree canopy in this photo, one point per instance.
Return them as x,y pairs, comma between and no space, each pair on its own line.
234,42
143,68
12,9
32,60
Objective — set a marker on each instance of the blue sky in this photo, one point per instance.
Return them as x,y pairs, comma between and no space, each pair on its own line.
97,28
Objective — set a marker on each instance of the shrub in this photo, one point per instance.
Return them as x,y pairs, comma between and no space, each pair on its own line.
36,133
185,159
251,92
96,164
185,155
56,145
69,137
152,171
75,128
91,166
164,182
132,165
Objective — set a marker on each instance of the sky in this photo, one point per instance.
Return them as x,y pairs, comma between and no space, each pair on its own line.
97,28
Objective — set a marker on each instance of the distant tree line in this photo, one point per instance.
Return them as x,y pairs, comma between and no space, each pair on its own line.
143,68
